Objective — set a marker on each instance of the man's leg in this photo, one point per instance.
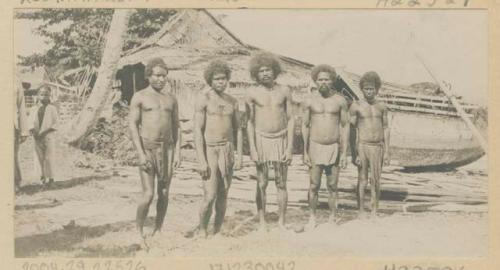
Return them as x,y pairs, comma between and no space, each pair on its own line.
49,157
260,198
315,174
162,204
376,171
362,179
332,178
221,201
164,180
209,191
40,154
147,181
281,169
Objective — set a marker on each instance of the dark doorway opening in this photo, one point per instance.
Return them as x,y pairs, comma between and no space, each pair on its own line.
132,79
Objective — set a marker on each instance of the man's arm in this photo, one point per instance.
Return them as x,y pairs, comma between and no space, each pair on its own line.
306,121
239,135
387,135
353,119
177,131
199,140
290,126
134,122
52,114
251,128
345,130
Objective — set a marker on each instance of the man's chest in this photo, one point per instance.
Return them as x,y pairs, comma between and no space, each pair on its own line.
220,107
325,106
370,111
273,98
157,103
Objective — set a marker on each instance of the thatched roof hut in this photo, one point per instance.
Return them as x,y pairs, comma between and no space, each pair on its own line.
188,43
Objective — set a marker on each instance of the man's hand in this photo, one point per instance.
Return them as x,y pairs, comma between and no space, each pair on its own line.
254,156
177,161
288,157
387,158
22,138
306,160
204,171
357,161
237,165
144,163
343,161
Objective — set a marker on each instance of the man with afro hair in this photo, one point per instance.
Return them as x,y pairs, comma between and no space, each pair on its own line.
155,132
270,131
215,125
325,130
369,116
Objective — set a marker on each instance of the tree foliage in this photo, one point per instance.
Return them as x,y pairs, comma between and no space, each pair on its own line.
76,36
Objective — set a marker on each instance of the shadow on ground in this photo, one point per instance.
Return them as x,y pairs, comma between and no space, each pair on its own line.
32,189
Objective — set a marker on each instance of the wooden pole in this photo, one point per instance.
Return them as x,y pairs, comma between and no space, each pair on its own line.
447,90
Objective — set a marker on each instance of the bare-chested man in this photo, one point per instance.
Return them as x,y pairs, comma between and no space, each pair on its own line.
155,131
216,122
270,131
369,116
325,131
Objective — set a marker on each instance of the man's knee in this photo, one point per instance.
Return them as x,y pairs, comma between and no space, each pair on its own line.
147,198
314,187
262,183
280,183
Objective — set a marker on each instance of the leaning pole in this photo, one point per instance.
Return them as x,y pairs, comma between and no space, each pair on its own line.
90,112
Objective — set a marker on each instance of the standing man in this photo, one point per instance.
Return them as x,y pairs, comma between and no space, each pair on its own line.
44,120
270,131
21,131
325,130
369,116
216,124
155,131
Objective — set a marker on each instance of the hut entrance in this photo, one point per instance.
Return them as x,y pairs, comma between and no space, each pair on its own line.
132,79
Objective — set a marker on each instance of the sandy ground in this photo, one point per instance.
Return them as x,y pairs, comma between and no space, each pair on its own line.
90,212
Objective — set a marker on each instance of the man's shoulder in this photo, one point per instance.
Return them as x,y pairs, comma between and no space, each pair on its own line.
339,98
230,98
381,104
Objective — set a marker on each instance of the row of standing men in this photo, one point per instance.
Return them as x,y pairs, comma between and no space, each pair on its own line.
218,126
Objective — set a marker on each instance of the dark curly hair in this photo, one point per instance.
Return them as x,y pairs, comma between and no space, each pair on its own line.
370,76
266,60
324,68
216,67
155,62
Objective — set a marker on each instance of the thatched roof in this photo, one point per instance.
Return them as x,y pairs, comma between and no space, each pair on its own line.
193,38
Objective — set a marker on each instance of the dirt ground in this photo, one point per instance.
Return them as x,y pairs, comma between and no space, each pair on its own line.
90,212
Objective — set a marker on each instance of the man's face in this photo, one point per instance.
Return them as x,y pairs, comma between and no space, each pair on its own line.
369,90
44,96
265,75
219,82
324,82
158,78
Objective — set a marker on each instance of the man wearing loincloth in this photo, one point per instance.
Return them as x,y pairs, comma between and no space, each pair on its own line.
325,131
270,131
216,122
155,131
369,116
